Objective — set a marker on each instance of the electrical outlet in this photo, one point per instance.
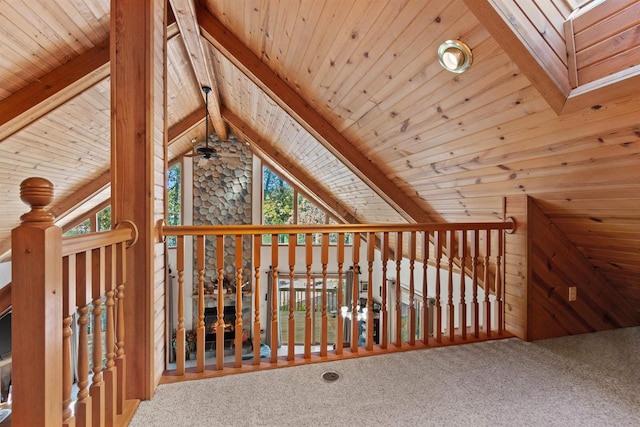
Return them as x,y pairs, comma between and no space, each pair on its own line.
573,293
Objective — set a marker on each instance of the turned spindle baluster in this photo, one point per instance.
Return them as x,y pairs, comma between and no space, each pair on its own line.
83,406
450,307
371,245
412,289
257,246
355,295
325,321
398,291
110,341
274,298
340,323
180,331
438,307
121,357
239,281
97,291
291,342
83,403
425,289
200,330
307,315
384,316
487,284
220,324
499,289
475,248
462,254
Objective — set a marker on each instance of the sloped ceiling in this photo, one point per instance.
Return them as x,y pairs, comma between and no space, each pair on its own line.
420,142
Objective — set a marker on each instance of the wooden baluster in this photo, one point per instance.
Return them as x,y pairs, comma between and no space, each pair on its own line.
487,287
180,332
68,307
239,280
438,249
200,254
384,315
307,316
325,321
36,295
220,301
340,322
291,342
121,356
355,294
450,306
425,288
462,253
412,289
110,340
97,290
274,298
398,326
475,248
371,246
83,404
257,246
499,290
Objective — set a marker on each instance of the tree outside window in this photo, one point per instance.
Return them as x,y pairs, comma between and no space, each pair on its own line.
174,199
280,202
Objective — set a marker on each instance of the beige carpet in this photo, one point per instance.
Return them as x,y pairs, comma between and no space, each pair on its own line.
585,380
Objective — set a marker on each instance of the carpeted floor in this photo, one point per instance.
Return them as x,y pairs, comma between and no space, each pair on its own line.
584,380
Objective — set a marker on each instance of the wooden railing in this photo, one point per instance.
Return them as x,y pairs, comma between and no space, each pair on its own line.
443,278
56,282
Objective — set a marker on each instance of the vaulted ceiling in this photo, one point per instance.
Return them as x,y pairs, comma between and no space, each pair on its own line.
348,100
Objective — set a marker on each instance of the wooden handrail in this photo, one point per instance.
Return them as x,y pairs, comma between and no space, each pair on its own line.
208,230
86,242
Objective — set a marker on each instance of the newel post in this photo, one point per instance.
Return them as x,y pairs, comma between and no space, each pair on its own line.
36,298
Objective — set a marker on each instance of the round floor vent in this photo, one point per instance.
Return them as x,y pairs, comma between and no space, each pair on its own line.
330,376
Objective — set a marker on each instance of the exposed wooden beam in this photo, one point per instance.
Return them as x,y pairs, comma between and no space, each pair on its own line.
290,170
52,90
505,30
200,58
243,58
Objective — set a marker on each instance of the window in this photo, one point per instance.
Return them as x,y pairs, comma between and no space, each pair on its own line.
277,203
83,228
283,205
174,199
104,219
308,213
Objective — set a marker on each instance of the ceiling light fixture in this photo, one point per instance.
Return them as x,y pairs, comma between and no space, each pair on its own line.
455,56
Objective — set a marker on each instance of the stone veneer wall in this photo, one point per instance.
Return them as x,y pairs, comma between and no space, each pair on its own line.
222,196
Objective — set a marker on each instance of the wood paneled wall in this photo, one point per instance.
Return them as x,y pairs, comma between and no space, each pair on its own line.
515,268
541,264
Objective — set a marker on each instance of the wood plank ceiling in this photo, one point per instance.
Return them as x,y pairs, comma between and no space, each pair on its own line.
428,144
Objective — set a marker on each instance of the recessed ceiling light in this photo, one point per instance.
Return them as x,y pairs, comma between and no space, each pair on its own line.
455,56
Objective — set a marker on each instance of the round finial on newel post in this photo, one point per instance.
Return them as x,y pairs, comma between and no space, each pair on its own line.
37,193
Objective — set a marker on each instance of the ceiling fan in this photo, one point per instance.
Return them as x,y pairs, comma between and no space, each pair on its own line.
205,151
